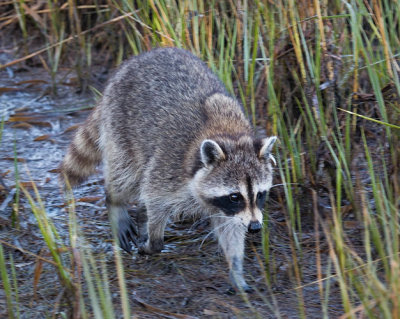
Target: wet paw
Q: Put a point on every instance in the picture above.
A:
(127, 233)
(151, 247)
(246, 289)
(143, 239)
(231, 291)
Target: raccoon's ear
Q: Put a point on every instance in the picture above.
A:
(266, 148)
(211, 152)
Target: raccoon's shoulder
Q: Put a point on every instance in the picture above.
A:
(225, 113)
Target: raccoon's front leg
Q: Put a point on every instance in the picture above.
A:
(141, 221)
(231, 237)
(122, 224)
(157, 220)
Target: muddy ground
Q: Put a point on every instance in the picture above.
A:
(188, 278)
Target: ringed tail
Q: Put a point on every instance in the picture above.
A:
(84, 153)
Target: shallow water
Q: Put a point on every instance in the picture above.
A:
(34, 133)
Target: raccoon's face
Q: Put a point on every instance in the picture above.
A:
(235, 178)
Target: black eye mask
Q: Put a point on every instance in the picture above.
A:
(260, 200)
(229, 204)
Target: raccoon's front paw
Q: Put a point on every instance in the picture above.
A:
(233, 290)
(127, 232)
(247, 289)
(151, 247)
(143, 239)
(238, 283)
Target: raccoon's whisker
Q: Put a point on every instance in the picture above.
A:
(205, 218)
(230, 228)
(219, 215)
(225, 224)
(204, 239)
(227, 230)
(199, 221)
(284, 184)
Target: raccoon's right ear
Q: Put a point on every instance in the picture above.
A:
(264, 148)
(211, 152)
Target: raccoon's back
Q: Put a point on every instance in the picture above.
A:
(157, 97)
(169, 76)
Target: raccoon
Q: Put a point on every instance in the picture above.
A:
(174, 141)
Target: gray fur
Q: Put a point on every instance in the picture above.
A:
(171, 138)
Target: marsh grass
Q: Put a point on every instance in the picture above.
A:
(91, 274)
(321, 75)
(14, 215)
(10, 287)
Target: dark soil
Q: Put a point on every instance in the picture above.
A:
(189, 277)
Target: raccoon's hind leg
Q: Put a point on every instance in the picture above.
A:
(122, 224)
(121, 174)
(231, 237)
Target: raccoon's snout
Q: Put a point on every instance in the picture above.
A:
(254, 227)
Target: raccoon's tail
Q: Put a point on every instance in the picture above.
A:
(84, 153)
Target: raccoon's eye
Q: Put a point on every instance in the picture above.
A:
(235, 198)
(260, 201)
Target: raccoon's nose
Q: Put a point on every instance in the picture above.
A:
(254, 227)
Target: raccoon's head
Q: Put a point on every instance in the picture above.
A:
(235, 177)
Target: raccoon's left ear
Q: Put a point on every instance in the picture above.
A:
(266, 148)
(211, 152)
